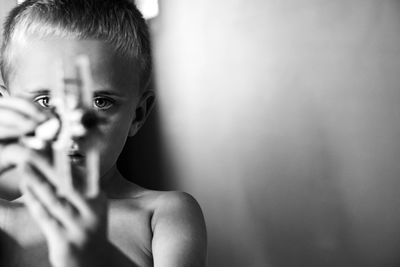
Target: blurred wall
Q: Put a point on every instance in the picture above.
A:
(282, 118)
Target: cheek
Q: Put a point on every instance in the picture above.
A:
(112, 141)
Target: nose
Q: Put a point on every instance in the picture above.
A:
(74, 145)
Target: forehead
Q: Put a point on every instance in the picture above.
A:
(36, 63)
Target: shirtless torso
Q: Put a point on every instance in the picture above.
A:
(130, 226)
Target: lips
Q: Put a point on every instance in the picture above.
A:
(76, 157)
(74, 153)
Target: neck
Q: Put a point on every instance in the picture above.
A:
(111, 175)
(116, 186)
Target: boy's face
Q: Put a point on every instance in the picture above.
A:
(116, 86)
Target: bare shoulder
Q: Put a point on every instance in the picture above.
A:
(173, 206)
(170, 224)
(163, 203)
(177, 202)
(169, 227)
(179, 229)
(164, 207)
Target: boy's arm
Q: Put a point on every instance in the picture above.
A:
(179, 235)
(115, 257)
(179, 232)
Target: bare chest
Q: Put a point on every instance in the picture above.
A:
(24, 245)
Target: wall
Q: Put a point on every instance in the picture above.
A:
(282, 118)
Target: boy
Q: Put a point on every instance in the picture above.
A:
(124, 225)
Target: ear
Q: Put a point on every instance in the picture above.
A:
(143, 110)
(3, 91)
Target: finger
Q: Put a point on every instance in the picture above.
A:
(82, 204)
(23, 107)
(45, 193)
(91, 210)
(50, 226)
(97, 214)
(12, 135)
(60, 211)
(14, 125)
(15, 119)
(76, 201)
(39, 162)
(14, 154)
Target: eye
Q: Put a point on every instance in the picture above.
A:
(43, 101)
(103, 103)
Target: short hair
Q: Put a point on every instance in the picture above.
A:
(116, 22)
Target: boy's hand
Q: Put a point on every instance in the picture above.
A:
(18, 117)
(75, 227)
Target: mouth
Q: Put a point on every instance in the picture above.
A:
(76, 157)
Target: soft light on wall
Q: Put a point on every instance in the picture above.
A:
(282, 118)
(149, 8)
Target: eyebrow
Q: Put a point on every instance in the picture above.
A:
(44, 91)
(107, 93)
(41, 91)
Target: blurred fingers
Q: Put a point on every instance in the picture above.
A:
(45, 193)
(22, 107)
(74, 196)
(18, 117)
(38, 161)
(11, 119)
(50, 226)
(13, 154)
